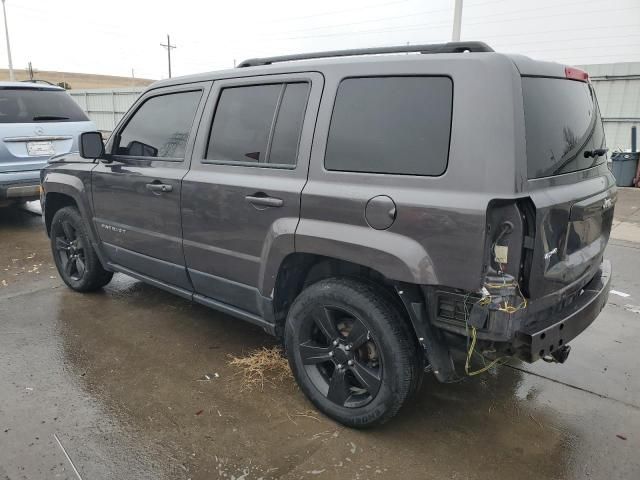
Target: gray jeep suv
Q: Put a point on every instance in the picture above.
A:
(379, 213)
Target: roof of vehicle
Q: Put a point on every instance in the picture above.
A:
(29, 85)
(323, 60)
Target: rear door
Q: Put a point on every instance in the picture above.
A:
(241, 197)
(36, 123)
(571, 186)
(137, 196)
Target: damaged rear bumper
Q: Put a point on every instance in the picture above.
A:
(551, 329)
(545, 325)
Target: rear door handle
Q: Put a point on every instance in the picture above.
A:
(159, 187)
(264, 201)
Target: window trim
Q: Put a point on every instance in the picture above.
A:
(117, 135)
(276, 113)
(357, 172)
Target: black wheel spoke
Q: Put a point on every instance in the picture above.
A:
(69, 231)
(313, 353)
(68, 267)
(367, 376)
(358, 334)
(62, 244)
(324, 318)
(80, 266)
(339, 389)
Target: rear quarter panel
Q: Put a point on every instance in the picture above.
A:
(438, 234)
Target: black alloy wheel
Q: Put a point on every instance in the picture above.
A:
(74, 255)
(352, 351)
(71, 251)
(340, 357)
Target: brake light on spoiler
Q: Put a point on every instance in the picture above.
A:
(576, 74)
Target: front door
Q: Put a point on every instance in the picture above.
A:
(241, 197)
(137, 196)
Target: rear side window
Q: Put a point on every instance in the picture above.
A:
(160, 127)
(397, 125)
(29, 105)
(258, 124)
(562, 122)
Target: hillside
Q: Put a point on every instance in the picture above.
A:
(78, 80)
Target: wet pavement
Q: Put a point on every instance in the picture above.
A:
(118, 377)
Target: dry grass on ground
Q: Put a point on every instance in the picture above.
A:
(262, 366)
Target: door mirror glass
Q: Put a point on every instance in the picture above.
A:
(91, 145)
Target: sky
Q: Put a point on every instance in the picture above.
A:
(115, 36)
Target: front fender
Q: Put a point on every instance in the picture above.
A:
(73, 181)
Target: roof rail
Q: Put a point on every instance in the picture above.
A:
(451, 47)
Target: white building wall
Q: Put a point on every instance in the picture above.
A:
(617, 86)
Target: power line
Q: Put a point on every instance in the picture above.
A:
(355, 9)
(444, 24)
(305, 30)
(570, 39)
(554, 15)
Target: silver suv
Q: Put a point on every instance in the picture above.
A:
(36, 122)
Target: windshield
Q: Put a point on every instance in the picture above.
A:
(562, 123)
(29, 105)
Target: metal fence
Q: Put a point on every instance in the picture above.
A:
(106, 106)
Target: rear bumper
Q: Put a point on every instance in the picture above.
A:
(546, 324)
(20, 185)
(550, 328)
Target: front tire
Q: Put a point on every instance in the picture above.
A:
(74, 256)
(351, 352)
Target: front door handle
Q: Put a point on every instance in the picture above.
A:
(159, 187)
(264, 201)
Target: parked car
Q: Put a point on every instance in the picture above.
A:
(377, 212)
(36, 122)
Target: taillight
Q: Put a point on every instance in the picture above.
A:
(505, 234)
(576, 74)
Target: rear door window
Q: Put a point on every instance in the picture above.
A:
(31, 105)
(258, 124)
(160, 127)
(397, 125)
(562, 121)
(286, 133)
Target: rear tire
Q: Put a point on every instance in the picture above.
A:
(351, 352)
(74, 256)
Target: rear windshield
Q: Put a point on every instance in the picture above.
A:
(28, 105)
(562, 122)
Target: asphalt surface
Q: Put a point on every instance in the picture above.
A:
(113, 385)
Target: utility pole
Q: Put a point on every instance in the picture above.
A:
(168, 46)
(457, 21)
(12, 77)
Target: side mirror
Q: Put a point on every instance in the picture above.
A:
(91, 145)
